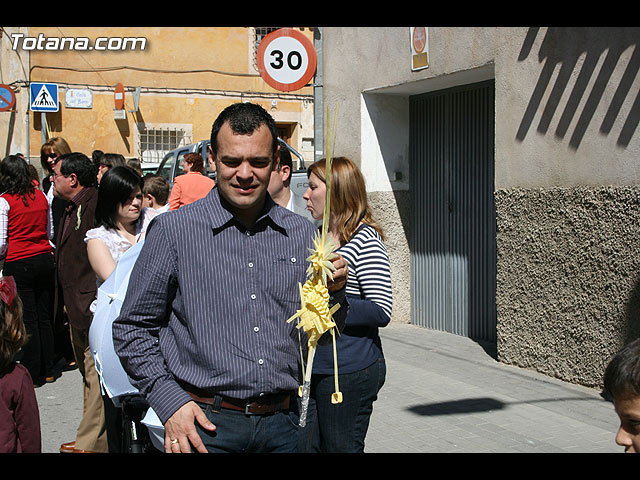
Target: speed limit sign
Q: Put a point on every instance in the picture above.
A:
(286, 59)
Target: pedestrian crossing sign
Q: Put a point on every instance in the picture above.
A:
(44, 97)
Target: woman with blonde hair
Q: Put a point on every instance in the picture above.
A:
(49, 153)
(342, 427)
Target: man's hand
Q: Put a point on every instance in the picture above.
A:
(340, 274)
(180, 431)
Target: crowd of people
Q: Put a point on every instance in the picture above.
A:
(202, 333)
(55, 235)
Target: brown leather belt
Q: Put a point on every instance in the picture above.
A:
(253, 406)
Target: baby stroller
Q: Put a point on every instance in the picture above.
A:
(135, 435)
(138, 420)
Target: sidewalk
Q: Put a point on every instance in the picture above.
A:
(443, 394)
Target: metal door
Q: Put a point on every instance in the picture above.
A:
(453, 246)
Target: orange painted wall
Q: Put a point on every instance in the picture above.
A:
(172, 91)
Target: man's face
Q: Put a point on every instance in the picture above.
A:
(629, 432)
(278, 179)
(244, 164)
(63, 186)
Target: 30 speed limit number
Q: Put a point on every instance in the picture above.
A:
(286, 59)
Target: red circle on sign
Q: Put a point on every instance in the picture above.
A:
(311, 55)
(419, 39)
(11, 101)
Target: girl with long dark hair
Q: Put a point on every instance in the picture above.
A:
(19, 414)
(25, 233)
(121, 222)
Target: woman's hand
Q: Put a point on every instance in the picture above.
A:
(339, 275)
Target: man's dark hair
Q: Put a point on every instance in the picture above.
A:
(244, 119)
(622, 375)
(285, 157)
(79, 164)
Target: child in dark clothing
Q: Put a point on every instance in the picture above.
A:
(19, 415)
(622, 384)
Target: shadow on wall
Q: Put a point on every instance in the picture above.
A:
(632, 315)
(569, 48)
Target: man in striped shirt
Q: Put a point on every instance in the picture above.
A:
(203, 332)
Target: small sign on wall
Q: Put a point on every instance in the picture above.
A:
(78, 98)
(419, 48)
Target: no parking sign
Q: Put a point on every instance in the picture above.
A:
(286, 59)
(7, 98)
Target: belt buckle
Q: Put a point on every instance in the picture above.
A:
(246, 408)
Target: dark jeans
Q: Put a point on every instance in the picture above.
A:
(237, 432)
(34, 278)
(341, 427)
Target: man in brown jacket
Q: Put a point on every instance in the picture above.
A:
(74, 180)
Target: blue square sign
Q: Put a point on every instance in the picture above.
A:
(44, 97)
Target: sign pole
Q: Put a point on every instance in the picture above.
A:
(318, 120)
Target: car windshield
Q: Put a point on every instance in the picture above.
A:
(166, 167)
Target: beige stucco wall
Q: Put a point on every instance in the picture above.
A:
(14, 67)
(187, 75)
(564, 101)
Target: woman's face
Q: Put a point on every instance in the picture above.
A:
(51, 159)
(315, 196)
(102, 169)
(129, 211)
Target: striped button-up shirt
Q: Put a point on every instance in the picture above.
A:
(208, 303)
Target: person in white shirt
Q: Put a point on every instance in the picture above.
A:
(280, 186)
(122, 222)
(155, 193)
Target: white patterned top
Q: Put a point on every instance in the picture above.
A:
(116, 243)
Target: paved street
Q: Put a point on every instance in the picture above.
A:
(443, 394)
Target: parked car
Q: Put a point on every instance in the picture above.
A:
(149, 167)
(171, 165)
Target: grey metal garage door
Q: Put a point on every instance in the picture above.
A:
(453, 259)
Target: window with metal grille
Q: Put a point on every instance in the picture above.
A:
(155, 141)
(258, 34)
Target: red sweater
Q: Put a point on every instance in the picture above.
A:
(19, 414)
(27, 228)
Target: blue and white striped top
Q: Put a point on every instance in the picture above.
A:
(370, 303)
(208, 303)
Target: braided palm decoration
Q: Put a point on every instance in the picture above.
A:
(315, 317)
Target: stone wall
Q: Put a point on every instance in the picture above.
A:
(391, 210)
(568, 285)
